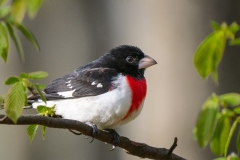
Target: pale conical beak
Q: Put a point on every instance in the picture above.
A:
(146, 62)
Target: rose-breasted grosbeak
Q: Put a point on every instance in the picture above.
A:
(107, 92)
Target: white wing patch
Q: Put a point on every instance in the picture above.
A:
(69, 86)
(99, 85)
(66, 94)
(68, 82)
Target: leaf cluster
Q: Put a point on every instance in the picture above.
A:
(214, 123)
(11, 16)
(209, 53)
(16, 98)
(219, 117)
(43, 111)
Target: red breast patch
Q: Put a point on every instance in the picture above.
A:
(139, 89)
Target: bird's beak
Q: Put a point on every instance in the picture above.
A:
(146, 62)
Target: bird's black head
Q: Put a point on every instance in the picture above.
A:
(129, 60)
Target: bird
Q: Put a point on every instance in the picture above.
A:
(107, 92)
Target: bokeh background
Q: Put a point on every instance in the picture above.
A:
(72, 33)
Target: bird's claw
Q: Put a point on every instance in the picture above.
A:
(116, 138)
(95, 130)
(76, 133)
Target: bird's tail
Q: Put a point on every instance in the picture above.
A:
(35, 100)
(28, 106)
(31, 100)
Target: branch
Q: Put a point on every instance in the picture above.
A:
(131, 147)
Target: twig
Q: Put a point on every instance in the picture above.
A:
(131, 147)
(174, 145)
(31, 89)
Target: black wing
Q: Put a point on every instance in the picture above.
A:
(87, 82)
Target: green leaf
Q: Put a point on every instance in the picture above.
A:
(194, 134)
(228, 113)
(27, 83)
(15, 101)
(31, 131)
(234, 27)
(15, 40)
(221, 158)
(46, 111)
(220, 135)
(23, 75)
(28, 34)
(209, 53)
(215, 26)
(37, 75)
(38, 87)
(4, 11)
(43, 131)
(229, 34)
(206, 121)
(230, 99)
(4, 44)
(18, 10)
(215, 76)
(41, 109)
(51, 111)
(33, 7)
(235, 42)
(231, 30)
(230, 135)
(238, 142)
(1, 101)
(233, 158)
(11, 80)
(236, 110)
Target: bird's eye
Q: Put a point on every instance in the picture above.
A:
(130, 59)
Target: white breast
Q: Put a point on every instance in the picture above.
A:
(105, 110)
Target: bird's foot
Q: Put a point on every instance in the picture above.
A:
(95, 130)
(116, 138)
(76, 133)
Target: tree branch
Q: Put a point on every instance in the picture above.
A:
(131, 147)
